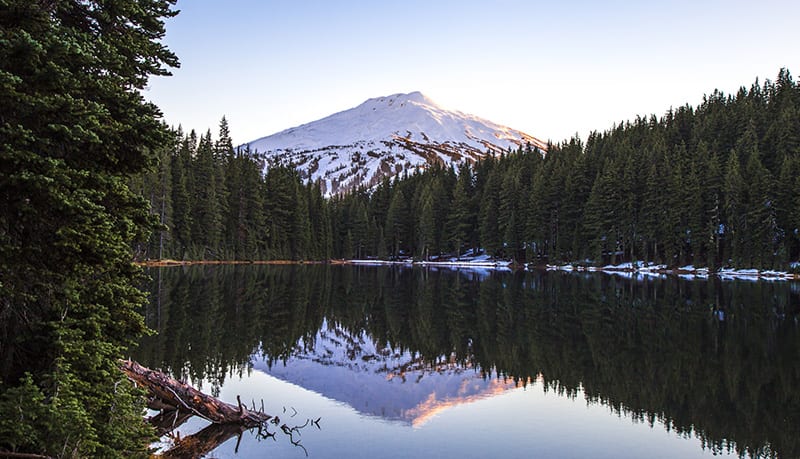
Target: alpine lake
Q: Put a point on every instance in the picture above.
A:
(399, 361)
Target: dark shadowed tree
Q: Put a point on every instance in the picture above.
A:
(74, 128)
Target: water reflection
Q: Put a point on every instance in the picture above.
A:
(380, 381)
(717, 360)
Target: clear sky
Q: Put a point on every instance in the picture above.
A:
(550, 69)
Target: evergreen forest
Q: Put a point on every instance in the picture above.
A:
(717, 185)
(74, 131)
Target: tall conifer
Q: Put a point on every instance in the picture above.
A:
(75, 127)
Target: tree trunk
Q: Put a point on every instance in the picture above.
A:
(169, 392)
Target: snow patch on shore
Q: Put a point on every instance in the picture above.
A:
(629, 269)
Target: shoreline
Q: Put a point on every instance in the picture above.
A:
(167, 263)
(624, 269)
(684, 271)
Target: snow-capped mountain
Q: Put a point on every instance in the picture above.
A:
(379, 381)
(384, 137)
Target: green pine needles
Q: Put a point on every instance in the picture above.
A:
(73, 129)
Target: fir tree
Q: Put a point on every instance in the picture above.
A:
(711, 213)
(320, 221)
(300, 227)
(735, 229)
(510, 220)
(426, 222)
(760, 219)
(788, 205)
(206, 212)
(280, 204)
(602, 214)
(181, 204)
(397, 221)
(75, 127)
(461, 218)
(488, 223)
(577, 187)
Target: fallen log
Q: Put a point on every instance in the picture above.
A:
(169, 392)
(205, 441)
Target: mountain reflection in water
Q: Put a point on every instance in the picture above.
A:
(712, 359)
(392, 384)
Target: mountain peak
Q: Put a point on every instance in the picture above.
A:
(415, 96)
(383, 137)
(400, 100)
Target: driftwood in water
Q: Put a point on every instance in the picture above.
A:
(168, 392)
(205, 441)
(178, 402)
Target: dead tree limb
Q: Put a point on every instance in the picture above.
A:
(205, 441)
(171, 392)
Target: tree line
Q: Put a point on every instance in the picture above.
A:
(215, 202)
(716, 185)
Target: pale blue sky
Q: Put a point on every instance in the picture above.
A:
(550, 69)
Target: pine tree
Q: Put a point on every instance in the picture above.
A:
(319, 216)
(75, 127)
(206, 212)
(685, 205)
(788, 206)
(300, 235)
(245, 226)
(632, 188)
(397, 221)
(181, 203)
(577, 188)
(711, 198)
(536, 226)
(461, 217)
(280, 203)
(510, 220)
(735, 230)
(236, 216)
(488, 223)
(426, 222)
(160, 199)
(602, 214)
(223, 147)
(223, 157)
(760, 218)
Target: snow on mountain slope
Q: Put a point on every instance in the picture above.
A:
(384, 137)
(380, 381)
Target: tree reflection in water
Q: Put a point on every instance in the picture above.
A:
(709, 358)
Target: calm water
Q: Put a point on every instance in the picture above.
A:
(402, 362)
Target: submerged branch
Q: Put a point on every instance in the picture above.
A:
(166, 390)
(205, 441)
(178, 402)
